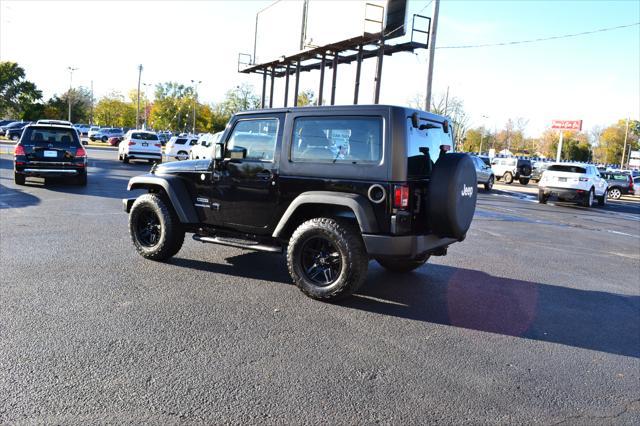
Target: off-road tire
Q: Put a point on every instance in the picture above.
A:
(588, 199)
(171, 230)
(402, 266)
(19, 179)
(354, 259)
(523, 181)
(488, 185)
(542, 199)
(602, 200)
(508, 178)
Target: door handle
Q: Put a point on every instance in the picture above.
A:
(264, 175)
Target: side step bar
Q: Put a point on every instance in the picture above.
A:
(238, 244)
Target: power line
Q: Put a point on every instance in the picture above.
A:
(509, 43)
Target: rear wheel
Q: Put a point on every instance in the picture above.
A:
(508, 178)
(402, 265)
(18, 178)
(523, 181)
(542, 199)
(81, 179)
(182, 155)
(602, 200)
(588, 199)
(103, 139)
(125, 158)
(488, 185)
(327, 259)
(156, 231)
(615, 193)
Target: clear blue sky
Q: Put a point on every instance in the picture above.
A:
(594, 77)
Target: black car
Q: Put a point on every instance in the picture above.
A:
(4, 123)
(14, 132)
(50, 151)
(331, 186)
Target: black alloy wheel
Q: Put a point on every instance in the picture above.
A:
(321, 261)
(148, 230)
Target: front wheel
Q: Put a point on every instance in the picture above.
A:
(327, 259)
(156, 231)
(103, 139)
(523, 181)
(615, 193)
(489, 184)
(402, 265)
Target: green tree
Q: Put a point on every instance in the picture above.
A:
(172, 107)
(242, 98)
(113, 111)
(611, 142)
(17, 94)
(57, 107)
(306, 98)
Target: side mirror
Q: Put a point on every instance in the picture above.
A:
(219, 150)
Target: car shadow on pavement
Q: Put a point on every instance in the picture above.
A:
(252, 265)
(14, 198)
(475, 300)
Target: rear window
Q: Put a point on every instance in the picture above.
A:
(351, 140)
(145, 136)
(424, 148)
(568, 169)
(49, 135)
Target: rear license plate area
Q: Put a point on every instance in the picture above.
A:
(561, 179)
(51, 154)
(145, 144)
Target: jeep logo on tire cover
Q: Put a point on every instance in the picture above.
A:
(467, 191)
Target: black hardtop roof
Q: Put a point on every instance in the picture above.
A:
(346, 108)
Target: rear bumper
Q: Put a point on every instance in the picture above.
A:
(50, 172)
(566, 193)
(144, 155)
(408, 246)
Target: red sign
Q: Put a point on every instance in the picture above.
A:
(567, 125)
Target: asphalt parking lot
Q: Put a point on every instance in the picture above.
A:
(534, 318)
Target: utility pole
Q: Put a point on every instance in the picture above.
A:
(481, 136)
(195, 102)
(624, 148)
(71, 70)
(138, 107)
(559, 152)
(432, 51)
(303, 30)
(146, 99)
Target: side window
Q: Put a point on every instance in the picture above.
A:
(253, 139)
(192, 142)
(350, 140)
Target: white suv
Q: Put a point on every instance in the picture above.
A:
(179, 147)
(578, 182)
(140, 145)
(203, 149)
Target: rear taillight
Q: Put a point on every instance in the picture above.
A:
(584, 179)
(19, 150)
(158, 145)
(630, 184)
(80, 152)
(401, 197)
(131, 143)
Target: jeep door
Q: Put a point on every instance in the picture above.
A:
(249, 173)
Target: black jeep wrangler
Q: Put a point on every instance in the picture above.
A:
(332, 187)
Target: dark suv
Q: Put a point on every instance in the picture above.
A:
(332, 187)
(46, 150)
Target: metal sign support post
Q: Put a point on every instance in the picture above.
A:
(559, 153)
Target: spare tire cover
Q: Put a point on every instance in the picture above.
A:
(452, 195)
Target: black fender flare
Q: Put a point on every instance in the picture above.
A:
(175, 190)
(359, 204)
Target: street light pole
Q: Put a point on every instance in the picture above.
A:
(195, 102)
(138, 107)
(481, 136)
(71, 70)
